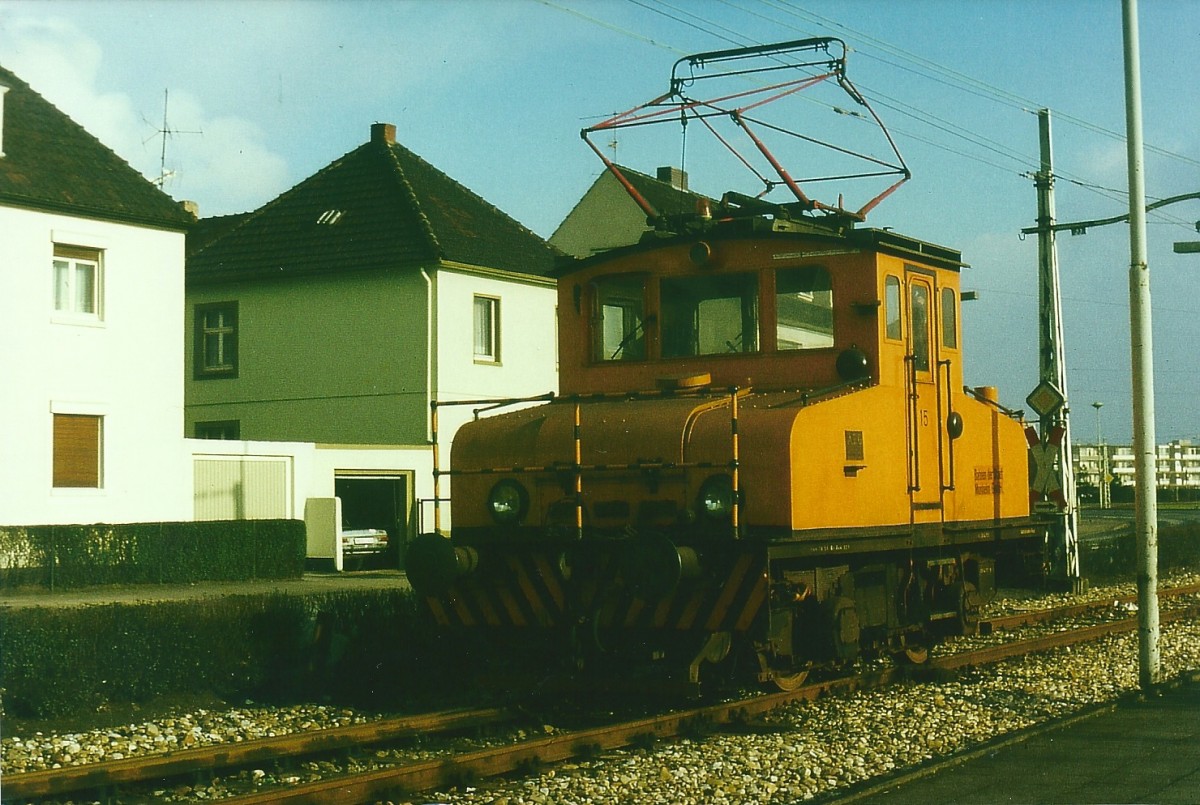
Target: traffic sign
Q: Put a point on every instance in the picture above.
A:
(1045, 399)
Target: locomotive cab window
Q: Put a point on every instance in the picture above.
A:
(710, 315)
(893, 329)
(803, 308)
(949, 318)
(618, 324)
(919, 322)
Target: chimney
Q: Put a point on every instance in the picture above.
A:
(383, 133)
(676, 177)
(3, 90)
(192, 208)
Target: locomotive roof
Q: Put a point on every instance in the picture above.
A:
(837, 232)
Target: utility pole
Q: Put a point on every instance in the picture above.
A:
(1056, 476)
(1142, 355)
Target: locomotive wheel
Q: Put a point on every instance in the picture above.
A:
(913, 648)
(783, 676)
(788, 681)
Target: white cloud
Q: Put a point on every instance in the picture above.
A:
(227, 168)
(61, 63)
(223, 162)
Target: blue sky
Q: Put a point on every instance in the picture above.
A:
(494, 93)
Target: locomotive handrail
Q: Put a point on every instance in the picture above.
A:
(496, 402)
(735, 506)
(813, 395)
(577, 467)
(943, 423)
(433, 438)
(914, 441)
(561, 467)
(1013, 413)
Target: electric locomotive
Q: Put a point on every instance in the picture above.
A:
(762, 448)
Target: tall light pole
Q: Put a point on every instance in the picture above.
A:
(1104, 490)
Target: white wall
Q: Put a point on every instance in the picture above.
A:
(127, 368)
(240, 479)
(528, 363)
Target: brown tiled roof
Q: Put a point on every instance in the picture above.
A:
(207, 230)
(663, 196)
(379, 206)
(51, 163)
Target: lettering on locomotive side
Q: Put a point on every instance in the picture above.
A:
(832, 547)
(989, 480)
(854, 446)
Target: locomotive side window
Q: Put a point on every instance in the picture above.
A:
(919, 305)
(891, 308)
(618, 325)
(709, 315)
(803, 308)
(949, 319)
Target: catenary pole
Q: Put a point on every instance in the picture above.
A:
(1052, 368)
(1142, 355)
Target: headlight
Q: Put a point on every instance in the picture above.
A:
(716, 497)
(508, 502)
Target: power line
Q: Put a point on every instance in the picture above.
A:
(960, 81)
(964, 81)
(926, 68)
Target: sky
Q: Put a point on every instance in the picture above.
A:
(255, 96)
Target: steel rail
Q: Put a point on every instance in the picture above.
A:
(990, 625)
(156, 767)
(1034, 645)
(493, 762)
(449, 772)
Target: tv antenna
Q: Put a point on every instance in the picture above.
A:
(165, 132)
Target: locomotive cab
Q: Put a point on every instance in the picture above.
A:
(774, 314)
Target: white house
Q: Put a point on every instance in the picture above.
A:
(91, 306)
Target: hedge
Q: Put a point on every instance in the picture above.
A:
(61, 661)
(69, 556)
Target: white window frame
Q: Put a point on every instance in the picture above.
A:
(68, 264)
(486, 345)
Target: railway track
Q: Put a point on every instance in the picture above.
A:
(1072, 610)
(105, 776)
(445, 772)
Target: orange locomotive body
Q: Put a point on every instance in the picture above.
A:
(762, 448)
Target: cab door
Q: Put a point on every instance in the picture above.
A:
(922, 393)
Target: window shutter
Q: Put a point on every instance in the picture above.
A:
(77, 253)
(76, 451)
